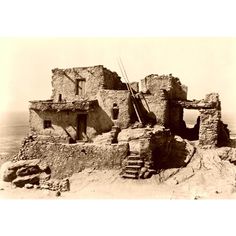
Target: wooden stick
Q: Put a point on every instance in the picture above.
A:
(129, 89)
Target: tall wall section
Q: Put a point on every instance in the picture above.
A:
(92, 80)
(210, 122)
(160, 104)
(107, 98)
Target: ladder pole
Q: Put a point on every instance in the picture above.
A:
(135, 101)
(132, 95)
(126, 76)
(146, 102)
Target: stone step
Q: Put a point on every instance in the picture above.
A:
(134, 152)
(129, 176)
(128, 171)
(135, 162)
(132, 167)
(134, 157)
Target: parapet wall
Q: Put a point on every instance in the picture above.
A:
(67, 159)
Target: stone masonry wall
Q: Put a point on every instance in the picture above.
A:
(112, 80)
(66, 159)
(210, 121)
(96, 78)
(166, 113)
(106, 100)
(158, 104)
(209, 127)
(173, 86)
(63, 82)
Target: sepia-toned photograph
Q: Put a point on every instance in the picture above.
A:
(118, 118)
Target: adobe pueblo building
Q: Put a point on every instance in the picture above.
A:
(95, 120)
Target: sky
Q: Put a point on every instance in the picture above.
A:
(203, 64)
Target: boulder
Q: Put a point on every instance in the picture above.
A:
(5, 173)
(24, 163)
(20, 181)
(11, 170)
(23, 171)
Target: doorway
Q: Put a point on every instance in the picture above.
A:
(81, 127)
(191, 124)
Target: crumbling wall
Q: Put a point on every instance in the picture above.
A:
(210, 120)
(63, 82)
(66, 159)
(173, 86)
(165, 113)
(95, 78)
(112, 80)
(209, 127)
(212, 131)
(106, 100)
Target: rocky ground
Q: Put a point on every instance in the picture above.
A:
(211, 174)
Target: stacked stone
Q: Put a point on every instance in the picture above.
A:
(147, 171)
(210, 122)
(209, 128)
(55, 185)
(25, 146)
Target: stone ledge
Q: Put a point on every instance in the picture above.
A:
(47, 105)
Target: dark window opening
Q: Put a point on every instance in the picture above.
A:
(79, 87)
(76, 87)
(60, 98)
(47, 124)
(115, 111)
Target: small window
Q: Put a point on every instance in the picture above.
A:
(115, 111)
(76, 87)
(59, 98)
(47, 124)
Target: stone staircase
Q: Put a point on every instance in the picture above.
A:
(133, 166)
